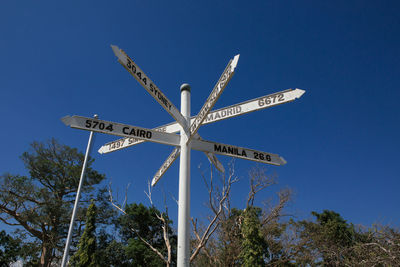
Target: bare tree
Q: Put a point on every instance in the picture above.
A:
(218, 201)
(224, 247)
(376, 246)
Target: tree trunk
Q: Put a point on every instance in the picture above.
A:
(45, 258)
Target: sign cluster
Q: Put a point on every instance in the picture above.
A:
(165, 134)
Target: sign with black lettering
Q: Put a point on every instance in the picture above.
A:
(119, 129)
(131, 141)
(213, 97)
(238, 152)
(259, 103)
(148, 84)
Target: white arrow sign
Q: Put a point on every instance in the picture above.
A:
(127, 142)
(120, 129)
(259, 103)
(164, 167)
(148, 84)
(213, 97)
(238, 152)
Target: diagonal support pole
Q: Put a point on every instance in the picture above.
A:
(71, 225)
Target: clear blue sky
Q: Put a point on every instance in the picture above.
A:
(341, 139)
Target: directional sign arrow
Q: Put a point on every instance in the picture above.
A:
(174, 155)
(127, 142)
(259, 103)
(238, 152)
(164, 167)
(214, 160)
(148, 84)
(213, 97)
(120, 129)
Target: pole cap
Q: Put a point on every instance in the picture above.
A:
(185, 86)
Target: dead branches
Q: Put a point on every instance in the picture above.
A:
(218, 199)
(259, 180)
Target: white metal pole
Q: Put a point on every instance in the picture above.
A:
(71, 225)
(184, 184)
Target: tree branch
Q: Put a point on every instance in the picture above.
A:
(213, 225)
(25, 198)
(23, 223)
(8, 223)
(258, 181)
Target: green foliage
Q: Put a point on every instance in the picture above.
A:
(141, 254)
(254, 247)
(9, 249)
(274, 234)
(13, 249)
(334, 228)
(142, 221)
(86, 254)
(41, 203)
(331, 241)
(326, 241)
(111, 253)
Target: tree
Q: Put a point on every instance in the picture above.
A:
(41, 203)
(218, 203)
(376, 246)
(86, 253)
(254, 247)
(249, 236)
(147, 233)
(111, 253)
(328, 241)
(229, 247)
(335, 228)
(332, 241)
(9, 249)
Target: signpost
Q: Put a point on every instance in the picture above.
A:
(188, 138)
